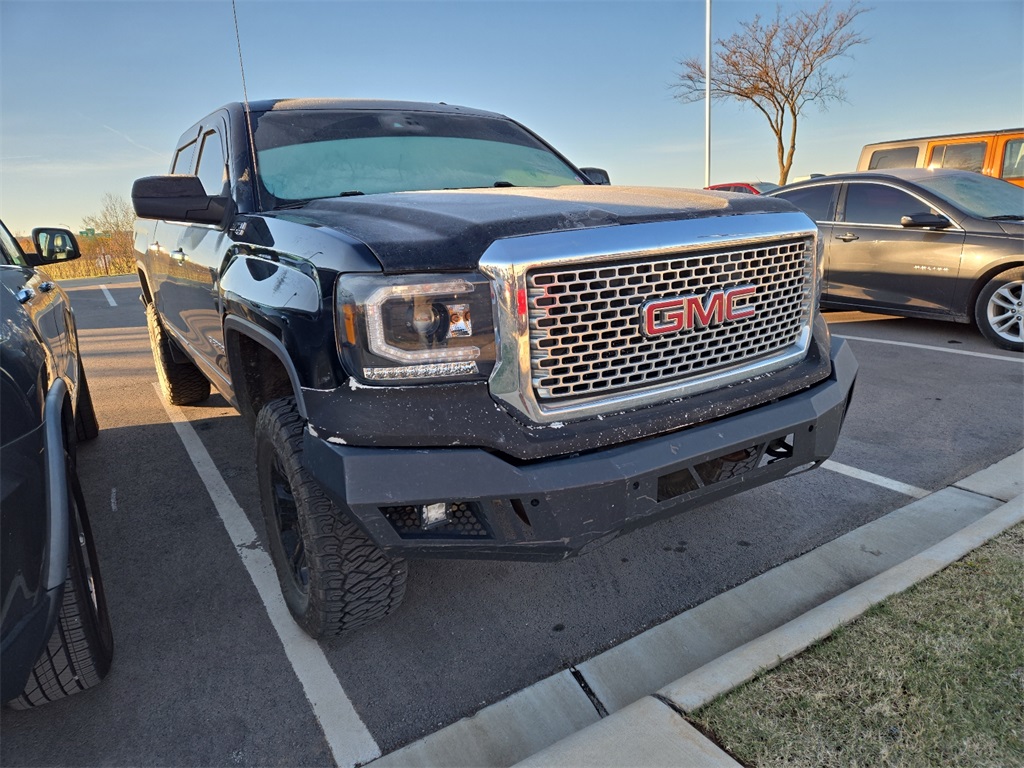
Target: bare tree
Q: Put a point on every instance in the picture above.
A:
(112, 238)
(779, 66)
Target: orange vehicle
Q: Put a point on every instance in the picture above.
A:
(993, 153)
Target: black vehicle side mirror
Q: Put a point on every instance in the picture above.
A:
(925, 221)
(597, 175)
(53, 246)
(179, 197)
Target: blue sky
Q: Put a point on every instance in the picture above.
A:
(94, 93)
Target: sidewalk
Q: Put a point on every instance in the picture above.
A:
(626, 706)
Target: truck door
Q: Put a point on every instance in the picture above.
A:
(189, 299)
(163, 237)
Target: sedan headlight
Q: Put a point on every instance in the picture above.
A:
(416, 328)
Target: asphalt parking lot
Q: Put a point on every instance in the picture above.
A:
(207, 672)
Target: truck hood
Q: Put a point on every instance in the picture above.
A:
(450, 230)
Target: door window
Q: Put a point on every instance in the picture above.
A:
(963, 157)
(212, 171)
(183, 158)
(896, 157)
(1013, 160)
(880, 204)
(815, 201)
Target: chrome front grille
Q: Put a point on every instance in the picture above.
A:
(585, 334)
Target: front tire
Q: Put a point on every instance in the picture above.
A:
(180, 383)
(333, 577)
(999, 311)
(78, 654)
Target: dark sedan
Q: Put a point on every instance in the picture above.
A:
(930, 243)
(55, 636)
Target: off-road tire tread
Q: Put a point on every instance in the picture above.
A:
(352, 582)
(180, 383)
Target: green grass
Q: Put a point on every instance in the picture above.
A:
(931, 677)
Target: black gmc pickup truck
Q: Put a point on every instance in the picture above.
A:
(450, 342)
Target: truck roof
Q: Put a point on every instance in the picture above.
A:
(964, 135)
(277, 105)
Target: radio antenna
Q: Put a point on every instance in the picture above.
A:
(248, 112)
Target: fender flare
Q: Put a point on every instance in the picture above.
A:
(265, 339)
(57, 494)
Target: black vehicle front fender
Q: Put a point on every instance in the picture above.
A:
(56, 488)
(24, 641)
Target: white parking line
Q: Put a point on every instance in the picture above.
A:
(110, 299)
(347, 736)
(1006, 358)
(871, 477)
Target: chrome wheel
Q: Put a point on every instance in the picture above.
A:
(1005, 312)
(999, 310)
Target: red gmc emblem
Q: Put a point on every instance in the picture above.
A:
(661, 316)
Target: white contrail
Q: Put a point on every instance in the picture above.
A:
(132, 141)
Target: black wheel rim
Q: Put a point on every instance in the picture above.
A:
(287, 519)
(86, 561)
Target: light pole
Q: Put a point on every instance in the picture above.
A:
(707, 95)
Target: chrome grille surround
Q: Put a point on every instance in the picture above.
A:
(579, 351)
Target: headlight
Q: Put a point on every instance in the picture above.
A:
(413, 328)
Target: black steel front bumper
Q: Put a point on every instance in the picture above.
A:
(555, 508)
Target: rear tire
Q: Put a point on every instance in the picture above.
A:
(78, 654)
(999, 311)
(333, 577)
(87, 427)
(180, 383)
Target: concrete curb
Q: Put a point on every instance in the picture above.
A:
(681, 645)
(646, 733)
(614, 740)
(739, 666)
(723, 642)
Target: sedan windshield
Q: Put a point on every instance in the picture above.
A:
(310, 154)
(980, 196)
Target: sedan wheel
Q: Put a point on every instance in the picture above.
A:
(999, 312)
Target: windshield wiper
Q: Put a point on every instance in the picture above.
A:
(498, 183)
(308, 200)
(1006, 217)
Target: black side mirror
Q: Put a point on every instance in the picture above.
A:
(925, 221)
(597, 175)
(179, 198)
(53, 246)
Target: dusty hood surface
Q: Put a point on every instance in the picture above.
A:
(411, 231)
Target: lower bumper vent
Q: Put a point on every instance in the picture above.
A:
(463, 522)
(724, 467)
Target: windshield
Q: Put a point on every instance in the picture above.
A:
(980, 196)
(10, 251)
(310, 154)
